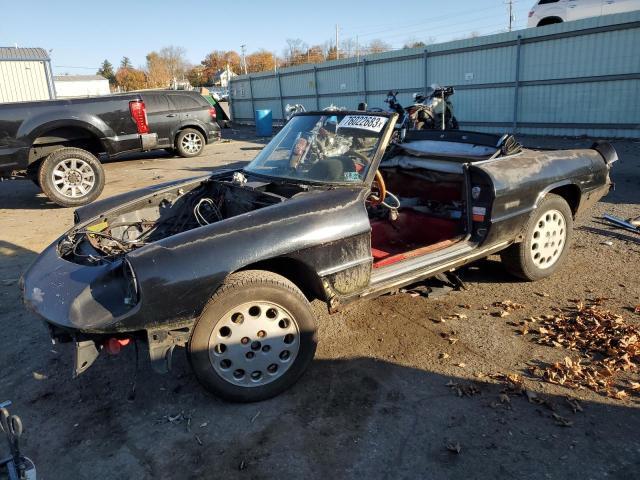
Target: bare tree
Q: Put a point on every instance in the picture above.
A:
(378, 46)
(175, 60)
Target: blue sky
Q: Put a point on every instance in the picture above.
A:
(83, 33)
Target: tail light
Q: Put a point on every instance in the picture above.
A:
(139, 115)
(212, 113)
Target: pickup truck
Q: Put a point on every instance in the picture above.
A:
(58, 143)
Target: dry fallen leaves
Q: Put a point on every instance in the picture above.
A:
(605, 341)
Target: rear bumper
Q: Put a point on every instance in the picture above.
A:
(131, 143)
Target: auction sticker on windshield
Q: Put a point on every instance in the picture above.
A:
(363, 122)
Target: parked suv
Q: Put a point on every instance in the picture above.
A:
(184, 121)
(546, 12)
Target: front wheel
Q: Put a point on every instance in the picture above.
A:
(254, 339)
(546, 241)
(71, 177)
(190, 143)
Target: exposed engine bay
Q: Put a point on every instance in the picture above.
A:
(170, 213)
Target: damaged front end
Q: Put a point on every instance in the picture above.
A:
(86, 287)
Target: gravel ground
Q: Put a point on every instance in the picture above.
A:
(380, 400)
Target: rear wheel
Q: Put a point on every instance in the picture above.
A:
(254, 339)
(71, 177)
(546, 241)
(190, 143)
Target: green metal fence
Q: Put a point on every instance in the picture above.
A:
(574, 78)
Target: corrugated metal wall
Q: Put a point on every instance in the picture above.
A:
(23, 80)
(575, 78)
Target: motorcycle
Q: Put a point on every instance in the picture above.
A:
(434, 112)
(291, 110)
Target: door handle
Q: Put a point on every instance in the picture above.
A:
(172, 115)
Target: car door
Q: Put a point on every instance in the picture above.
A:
(162, 118)
(619, 6)
(188, 107)
(577, 9)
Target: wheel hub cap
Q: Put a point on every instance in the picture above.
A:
(548, 239)
(191, 143)
(254, 344)
(73, 177)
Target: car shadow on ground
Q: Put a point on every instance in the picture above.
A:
(354, 417)
(351, 418)
(618, 234)
(23, 194)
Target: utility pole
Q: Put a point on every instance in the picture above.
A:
(337, 42)
(511, 15)
(243, 49)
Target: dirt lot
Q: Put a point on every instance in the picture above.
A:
(375, 403)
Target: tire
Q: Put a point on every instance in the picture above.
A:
(533, 260)
(226, 354)
(71, 177)
(190, 143)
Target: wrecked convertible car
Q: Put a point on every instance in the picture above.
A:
(336, 207)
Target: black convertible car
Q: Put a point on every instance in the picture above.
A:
(336, 207)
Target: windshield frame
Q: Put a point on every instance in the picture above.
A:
(375, 158)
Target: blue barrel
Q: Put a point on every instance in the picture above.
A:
(264, 123)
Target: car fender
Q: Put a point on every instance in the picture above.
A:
(329, 232)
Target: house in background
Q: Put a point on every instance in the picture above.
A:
(70, 86)
(222, 77)
(25, 75)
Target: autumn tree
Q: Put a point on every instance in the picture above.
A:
(217, 60)
(130, 79)
(260, 61)
(315, 54)
(158, 74)
(196, 76)
(106, 70)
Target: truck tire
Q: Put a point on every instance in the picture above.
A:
(190, 143)
(71, 177)
(255, 337)
(546, 240)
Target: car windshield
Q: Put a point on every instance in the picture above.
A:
(332, 147)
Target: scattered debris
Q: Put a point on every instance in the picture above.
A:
(622, 223)
(507, 307)
(450, 336)
(198, 440)
(454, 447)
(463, 389)
(461, 365)
(542, 294)
(253, 419)
(242, 466)
(443, 355)
(608, 243)
(561, 421)
(39, 376)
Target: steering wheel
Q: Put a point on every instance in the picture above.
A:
(378, 190)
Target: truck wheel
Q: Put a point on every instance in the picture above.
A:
(190, 143)
(546, 240)
(254, 338)
(71, 177)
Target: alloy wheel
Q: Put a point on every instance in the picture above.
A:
(73, 177)
(254, 344)
(548, 239)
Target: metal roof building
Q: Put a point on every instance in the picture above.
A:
(25, 75)
(69, 86)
